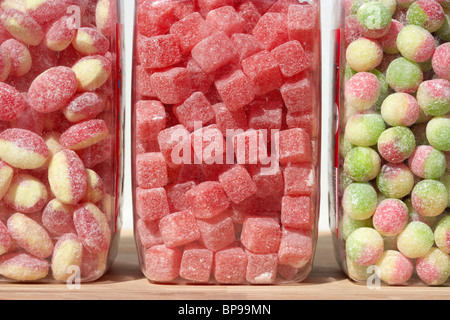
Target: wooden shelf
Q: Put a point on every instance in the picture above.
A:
(125, 281)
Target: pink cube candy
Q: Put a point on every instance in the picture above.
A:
(176, 194)
(206, 6)
(301, 22)
(200, 80)
(155, 17)
(299, 95)
(190, 31)
(229, 120)
(261, 234)
(237, 184)
(297, 212)
(214, 52)
(268, 179)
(196, 108)
(266, 112)
(151, 204)
(207, 199)
(230, 266)
(304, 121)
(172, 142)
(225, 19)
(171, 86)
(208, 145)
(217, 232)
(248, 11)
(250, 147)
(148, 233)
(143, 82)
(299, 179)
(271, 30)
(196, 263)
(261, 268)
(162, 264)
(293, 145)
(159, 51)
(235, 89)
(178, 229)
(295, 248)
(150, 119)
(246, 45)
(263, 70)
(291, 58)
(151, 170)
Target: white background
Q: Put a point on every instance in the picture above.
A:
(328, 14)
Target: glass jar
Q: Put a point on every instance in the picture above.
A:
(61, 143)
(390, 193)
(226, 140)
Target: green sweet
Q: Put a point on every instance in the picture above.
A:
(364, 129)
(438, 133)
(429, 197)
(415, 240)
(445, 179)
(348, 225)
(404, 75)
(441, 233)
(396, 144)
(360, 201)
(362, 164)
(395, 180)
(416, 15)
(374, 16)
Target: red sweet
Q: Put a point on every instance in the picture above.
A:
(190, 31)
(159, 51)
(171, 86)
(230, 266)
(271, 30)
(225, 19)
(217, 232)
(84, 106)
(150, 119)
(20, 56)
(261, 268)
(151, 204)
(162, 264)
(261, 234)
(235, 89)
(84, 134)
(294, 145)
(207, 199)
(12, 103)
(291, 58)
(196, 263)
(297, 212)
(237, 184)
(57, 218)
(295, 248)
(194, 109)
(151, 170)
(178, 229)
(60, 34)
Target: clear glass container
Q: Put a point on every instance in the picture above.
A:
(61, 139)
(226, 140)
(390, 188)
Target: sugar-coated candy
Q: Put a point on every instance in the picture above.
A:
(159, 51)
(23, 149)
(427, 14)
(429, 197)
(23, 267)
(235, 89)
(151, 204)
(362, 91)
(261, 268)
(364, 54)
(291, 58)
(428, 163)
(434, 97)
(225, 19)
(6, 175)
(438, 133)
(359, 201)
(172, 86)
(400, 109)
(365, 246)
(396, 144)
(296, 212)
(416, 43)
(298, 95)
(162, 263)
(434, 267)
(196, 263)
(178, 229)
(26, 194)
(68, 252)
(415, 240)
(12, 103)
(30, 236)
(261, 234)
(84, 134)
(293, 145)
(389, 41)
(271, 30)
(60, 34)
(92, 228)
(207, 199)
(90, 41)
(394, 268)
(404, 75)
(151, 170)
(230, 265)
(395, 180)
(195, 108)
(295, 248)
(190, 31)
(442, 234)
(84, 106)
(237, 184)
(20, 56)
(217, 232)
(364, 129)
(67, 177)
(362, 164)
(440, 59)
(5, 239)
(390, 217)
(57, 218)
(92, 72)
(375, 19)
(22, 26)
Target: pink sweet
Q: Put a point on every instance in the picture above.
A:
(206, 6)
(150, 119)
(229, 120)
(296, 248)
(208, 145)
(246, 45)
(391, 217)
(84, 106)
(261, 268)
(196, 263)
(22, 26)
(151, 170)
(207, 199)
(178, 229)
(261, 234)
(190, 31)
(171, 86)
(362, 91)
(297, 212)
(217, 232)
(48, 10)
(200, 80)
(60, 34)
(440, 61)
(20, 56)
(176, 195)
(225, 19)
(250, 147)
(249, 12)
(194, 109)
(299, 94)
(237, 184)
(235, 89)
(170, 140)
(5, 64)
(230, 266)
(294, 145)
(162, 264)
(268, 180)
(155, 18)
(12, 103)
(299, 179)
(57, 218)
(90, 41)
(84, 134)
(143, 81)
(159, 51)
(148, 233)
(271, 30)
(151, 204)
(291, 58)
(389, 41)
(301, 22)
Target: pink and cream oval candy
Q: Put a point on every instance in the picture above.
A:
(12, 103)
(44, 11)
(30, 235)
(60, 34)
(84, 106)
(26, 194)
(21, 60)
(92, 228)
(23, 149)
(57, 218)
(84, 134)
(68, 252)
(5, 239)
(95, 187)
(53, 89)
(5, 64)
(6, 175)
(105, 16)
(67, 177)
(22, 27)
(92, 72)
(90, 41)
(23, 267)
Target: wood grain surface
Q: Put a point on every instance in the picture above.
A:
(125, 281)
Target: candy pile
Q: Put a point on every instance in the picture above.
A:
(227, 107)
(57, 126)
(395, 141)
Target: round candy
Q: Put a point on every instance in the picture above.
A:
(364, 246)
(428, 163)
(52, 90)
(359, 201)
(444, 32)
(396, 144)
(438, 133)
(415, 240)
(364, 129)
(389, 41)
(394, 268)
(442, 234)
(375, 19)
(362, 164)
(404, 75)
(23, 149)
(364, 54)
(362, 91)
(390, 217)
(445, 179)
(395, 180)
(347, 225)
(415, 43)
(440, 61)
(434, 97)
(12, 103)
(429, 198)
(400, 109)
(434, 267)
(427, 14)
(26, 194)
